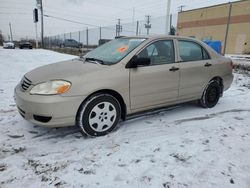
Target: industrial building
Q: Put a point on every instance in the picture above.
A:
(228, 23)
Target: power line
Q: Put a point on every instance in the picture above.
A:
(68, 20)
(82, 16)
(9, 13)
(82, 23)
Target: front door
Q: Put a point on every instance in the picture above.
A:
(156, 84)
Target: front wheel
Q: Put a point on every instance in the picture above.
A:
(99, 115)
(211, 94)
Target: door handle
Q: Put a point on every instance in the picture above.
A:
(173, 69)
(208, 65)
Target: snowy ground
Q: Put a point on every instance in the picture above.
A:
(182, 147)
(241, 62)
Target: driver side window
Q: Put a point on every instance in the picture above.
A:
(160, 52)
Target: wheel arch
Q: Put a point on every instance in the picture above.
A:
(115, 94)
(220, 81)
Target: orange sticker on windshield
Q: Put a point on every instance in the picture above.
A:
(122, 49)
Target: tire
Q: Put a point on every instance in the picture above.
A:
(99, 115)
(211, 94)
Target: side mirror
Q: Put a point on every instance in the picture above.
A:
(138, 61)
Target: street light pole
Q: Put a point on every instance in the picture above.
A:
(11, 36)
(40, 6)
(168, 16)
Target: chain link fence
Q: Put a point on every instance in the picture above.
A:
(85, 40)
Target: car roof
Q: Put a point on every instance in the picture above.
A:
(156, 37)
(153, 37)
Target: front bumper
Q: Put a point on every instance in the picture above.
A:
(47, 111)
(9, 47)
(25, 46)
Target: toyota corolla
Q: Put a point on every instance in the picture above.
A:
(122, 77)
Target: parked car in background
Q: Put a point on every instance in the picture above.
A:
(120, 78)
(70, 43)
(8, 45)
(25, 44)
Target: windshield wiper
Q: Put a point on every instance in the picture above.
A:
(99, 61)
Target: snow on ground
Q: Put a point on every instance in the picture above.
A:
(241, 62)
(185, 146)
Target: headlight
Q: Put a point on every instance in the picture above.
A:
(51, 88)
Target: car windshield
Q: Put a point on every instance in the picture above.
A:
(114, 51)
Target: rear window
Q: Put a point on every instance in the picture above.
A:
(191, 51)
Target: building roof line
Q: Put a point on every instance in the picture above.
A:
(212, 6)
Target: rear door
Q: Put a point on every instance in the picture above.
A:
(158, 83)
(195, 69)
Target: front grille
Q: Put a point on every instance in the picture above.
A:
(25, 84)
(21, 112)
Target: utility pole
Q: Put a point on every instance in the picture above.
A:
(181, 8)
(227, 29)
(79, 36)
(170, 23)
(100, 33)
(36, 35)
(133, 19)
(137, 27)
(147, 24)
(167, 16)
(118, 28)
(87, 37)
(35, 19)
(40, 6)
(11, 36)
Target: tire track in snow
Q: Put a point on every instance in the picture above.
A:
(209, 116)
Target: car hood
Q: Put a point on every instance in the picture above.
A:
(62, 70)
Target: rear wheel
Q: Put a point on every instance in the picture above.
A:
(99, 115)
(211, 94)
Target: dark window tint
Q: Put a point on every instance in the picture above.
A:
(191, 51)
(160, 52)
(205, 54)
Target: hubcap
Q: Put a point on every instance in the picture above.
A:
(102, 116)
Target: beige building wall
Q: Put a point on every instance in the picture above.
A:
(211, 23)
